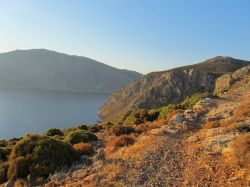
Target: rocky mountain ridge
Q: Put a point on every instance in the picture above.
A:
(161, 88)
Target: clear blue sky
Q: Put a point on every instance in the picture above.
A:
(142, 35)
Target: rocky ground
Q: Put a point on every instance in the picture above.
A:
(179, 152)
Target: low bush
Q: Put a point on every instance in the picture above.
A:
(54, 132)
(84, 148)
(122, 129)
(3, 172)
(139, 116)
(75, 137)
(3, 143)
(66, 131)
(212, 124)
(19, 168)
(241, 150)
(122, 141)
(163, 111)
(95, 128)
(4, 152)
(39, 156)
(83, 127)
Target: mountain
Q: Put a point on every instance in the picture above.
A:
(172, 86)
(44, 69)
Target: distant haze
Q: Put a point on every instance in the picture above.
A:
(44, 69)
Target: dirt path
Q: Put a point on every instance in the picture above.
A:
(163, 167)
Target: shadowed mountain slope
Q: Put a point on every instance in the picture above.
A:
(44, 69)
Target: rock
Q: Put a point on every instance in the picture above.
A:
(157, 131)
(176, 119)
(224, 82)
(9, 184)
(79, 174)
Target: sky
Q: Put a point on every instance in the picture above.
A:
(140, 35)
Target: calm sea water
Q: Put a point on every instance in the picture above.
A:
(29, 110)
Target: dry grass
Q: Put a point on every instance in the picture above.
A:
(241, 150)
(121, 141)
(84, 148)
(139, 149)
(243, 110)
(119, 130)
(230, 121)
(212, 124)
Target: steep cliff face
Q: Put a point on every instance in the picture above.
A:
(172, 86)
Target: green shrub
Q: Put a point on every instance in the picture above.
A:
(19, 168)
(54, 132)
(189, 102)
(4, 152)
(3, 143)
(75, 137)
(72, 129)
(3, 172)
(39, 156)
(139, 116)
(165, 110)
(122, 129)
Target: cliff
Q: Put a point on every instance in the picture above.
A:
(161, 88)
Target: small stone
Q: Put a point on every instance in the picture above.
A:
(91, 177)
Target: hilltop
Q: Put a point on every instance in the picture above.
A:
(168, 87)
(45, 69)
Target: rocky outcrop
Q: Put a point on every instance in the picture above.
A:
(161, 88)
(224, 82)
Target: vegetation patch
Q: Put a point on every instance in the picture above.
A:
(4, 153)
(122, 141)
(39, 156)
(78, 136)
(54, 132)
(3, 172)
(84, 148)
(119, 130)
(139, 116)
(189, 102)
(95, 128)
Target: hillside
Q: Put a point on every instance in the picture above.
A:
(44, 69)
(206, 142)
(161, 88)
